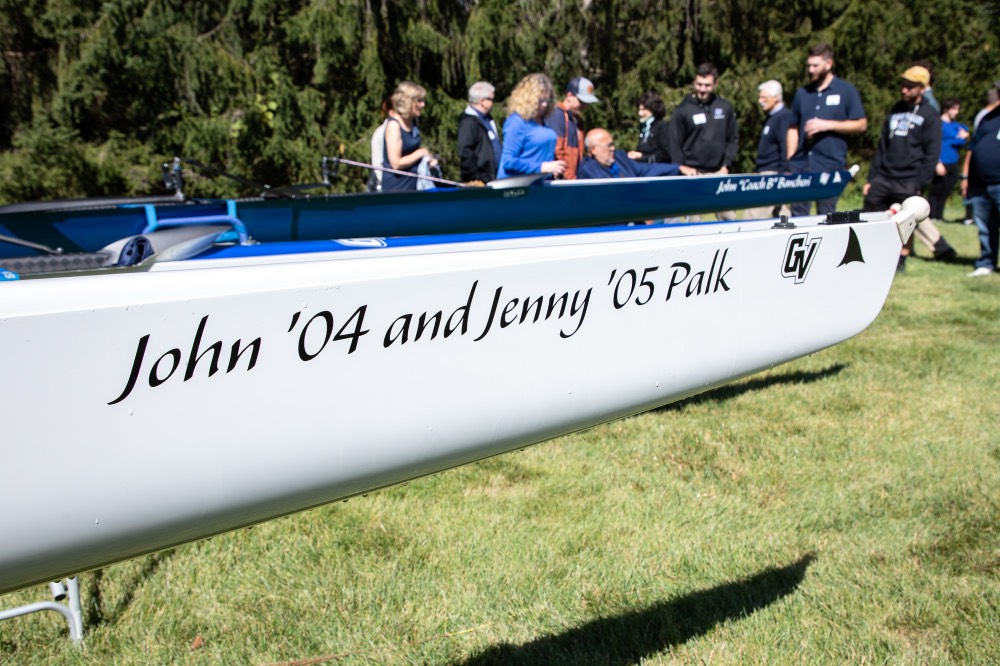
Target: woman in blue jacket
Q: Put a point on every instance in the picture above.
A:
(528, 145)
(953, 137)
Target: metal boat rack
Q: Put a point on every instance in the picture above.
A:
(67, 590)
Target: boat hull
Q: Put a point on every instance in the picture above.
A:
(155, 408)
(443, 211)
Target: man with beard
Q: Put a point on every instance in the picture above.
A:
(906, 155)
(824, 113)
(703, 132)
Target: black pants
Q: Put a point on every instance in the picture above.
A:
(883, 193)
(823, 206)
(941, 188)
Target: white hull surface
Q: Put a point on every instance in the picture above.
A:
(149, 409)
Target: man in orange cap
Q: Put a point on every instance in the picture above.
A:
(905, 157)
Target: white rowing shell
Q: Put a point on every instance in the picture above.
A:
(124, 434)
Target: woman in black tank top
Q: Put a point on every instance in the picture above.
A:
(402, 138)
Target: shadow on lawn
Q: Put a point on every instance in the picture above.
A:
(730, 391)
(96, 612)
(632, 636)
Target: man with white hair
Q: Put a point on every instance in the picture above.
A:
(772, 148)
(479, 144)
(605, 161)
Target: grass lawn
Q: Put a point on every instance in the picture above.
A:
(844, 508)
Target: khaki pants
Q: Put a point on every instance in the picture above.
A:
(722, 214)
(928, 234)
(767, 212)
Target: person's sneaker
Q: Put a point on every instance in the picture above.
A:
(967, 221)
(943, 251)
(982, 271)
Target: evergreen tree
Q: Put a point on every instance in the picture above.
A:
(94, 96)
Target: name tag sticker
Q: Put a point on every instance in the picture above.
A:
(699, 118)
(767, 129)
(833, 100)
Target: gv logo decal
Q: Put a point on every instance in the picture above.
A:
(799, 255)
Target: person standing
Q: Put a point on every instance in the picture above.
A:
(929, 97)
(906, 155)
(565, 121)
(772, 150)
(653, 145)
(981, 184)
(529, 146)
(703, 132)
(402, 138)
(953, 136)
(824, 113)
(992, 101)
(479, 145)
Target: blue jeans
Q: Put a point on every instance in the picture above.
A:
(986, 213)
(823, 206)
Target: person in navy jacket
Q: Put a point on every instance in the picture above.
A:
(605, 161)
(772, 147)
(981, 183)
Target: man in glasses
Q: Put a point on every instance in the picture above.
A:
(606, 161)
(479, 144)
(906, 155)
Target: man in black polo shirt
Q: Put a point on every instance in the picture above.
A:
(907, 152)
(824, 113)
(703, 132)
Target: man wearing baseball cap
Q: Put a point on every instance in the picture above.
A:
(906, 155)
(565, 120)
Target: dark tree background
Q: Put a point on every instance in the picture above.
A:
(95, 95)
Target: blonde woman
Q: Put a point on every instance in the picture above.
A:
(402, 137)
(528, 145)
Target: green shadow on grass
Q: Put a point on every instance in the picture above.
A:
(730, 391)
(632, 636)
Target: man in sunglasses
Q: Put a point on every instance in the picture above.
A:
(906, 155)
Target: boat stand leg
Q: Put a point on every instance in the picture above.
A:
(68, 589)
